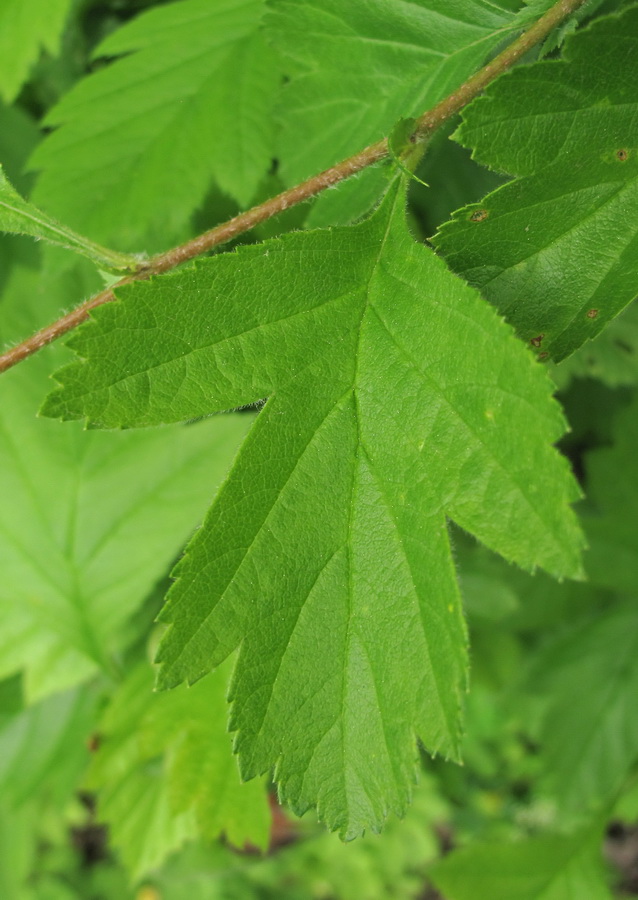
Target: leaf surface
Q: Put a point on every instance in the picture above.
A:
(396, 399)
(141, 140)
(356, 68)
(26, 28)
(556, 249)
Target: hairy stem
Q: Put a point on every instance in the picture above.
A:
(424, 127)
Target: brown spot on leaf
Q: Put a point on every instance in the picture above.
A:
(544, 355)
(592, 313)
(93, 742)
(622, 155)
(479, 215)
(537, 341)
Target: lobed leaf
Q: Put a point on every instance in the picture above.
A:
(396, 399)
(556, 249)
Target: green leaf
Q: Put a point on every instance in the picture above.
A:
(19, 134)
(26, 28)
(141, 139)
(556, 250)
(547, 868)
(191, 725)
(610, 518)
(89, 521)
(169, 757)
(357, 67)
(43, 748)
(612, 357)
(132, 791)
(589, 733)
(326, 555)
(17, 216)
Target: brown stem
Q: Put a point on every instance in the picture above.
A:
(425, 126)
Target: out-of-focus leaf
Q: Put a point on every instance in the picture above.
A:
(548, 868)
(26, 28)
(165, 771)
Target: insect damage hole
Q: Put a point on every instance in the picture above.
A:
(622, 155)
(537, 341)
(479, 215)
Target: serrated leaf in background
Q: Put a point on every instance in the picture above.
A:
(89, 521)
(556, 250)
(140, 141)
(327, 554)
(26, 28)
(165, 771)
(611, 516)
(589, 733)
(547, 868)
(356, 68)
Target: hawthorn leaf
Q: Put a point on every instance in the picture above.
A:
(173, 750)
(195, 86)
(556, 250)
(589, 730)
(548, 868)
(356, 68)
(26, 28)
(18, 216)
(396, 399)
(89, 520)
